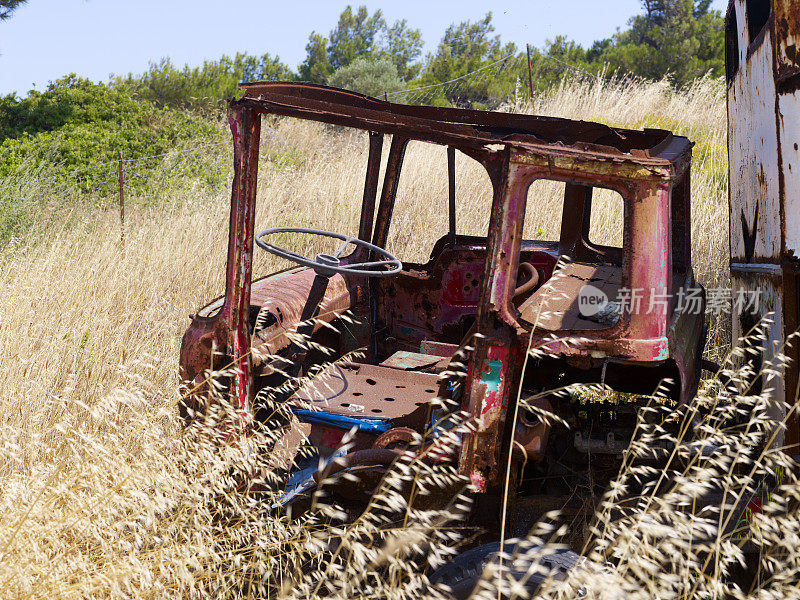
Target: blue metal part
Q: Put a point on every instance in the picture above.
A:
(364, 424)
(442, 419)
(302, 480)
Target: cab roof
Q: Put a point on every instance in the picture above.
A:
(460, 127)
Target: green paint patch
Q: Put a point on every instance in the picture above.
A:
(491, 376)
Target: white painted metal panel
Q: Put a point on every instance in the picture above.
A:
(753, 152)
(764, 180)
(770, 306)
(789, 121)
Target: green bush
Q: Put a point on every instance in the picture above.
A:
(368, 76)
(76, 125)
(205, 88)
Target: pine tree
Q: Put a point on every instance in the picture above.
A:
(9, 6)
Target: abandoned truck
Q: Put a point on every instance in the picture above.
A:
(480, 301)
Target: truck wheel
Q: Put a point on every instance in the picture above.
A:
(462, 574)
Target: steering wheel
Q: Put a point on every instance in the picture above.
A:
(328, 264)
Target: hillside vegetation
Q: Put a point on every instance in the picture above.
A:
(75, 124)
(678, 40)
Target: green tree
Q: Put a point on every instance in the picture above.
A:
(204, 87)
(263, 68)
(358, 35)
(465, 48)
(403, 46)
(316, 67)
(9, 6)
(597, 49)
(560, 55)
(679, 38)
(355, 36)
(565, 49)
(369, 76)
(75, 124)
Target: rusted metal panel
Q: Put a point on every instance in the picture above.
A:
(227, 331)
(554, 306)
(373, 391)
(579, 164)
(391, 180)
(491, 379)
(532, 430)
(442, 349)
(429, 302)
(409, 361)
(281, 299)
(786, 14)
(646, 268)
(496, 361)
(319, 102)
(649, 262)
(371, 186)
(463, 128)
(246, 128)
(791, 311)
(767, 304)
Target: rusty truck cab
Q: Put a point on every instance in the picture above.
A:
(488, 300)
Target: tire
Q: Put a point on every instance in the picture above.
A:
(463, 573)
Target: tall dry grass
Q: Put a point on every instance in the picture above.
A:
(103, 495)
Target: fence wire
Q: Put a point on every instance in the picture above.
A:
(478, 86)
(488, 86)
(104, 176)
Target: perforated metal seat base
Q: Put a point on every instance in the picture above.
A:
(374, 391)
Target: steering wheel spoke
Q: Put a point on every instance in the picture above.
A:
(329, 264)
(374, 263)
(344, 245)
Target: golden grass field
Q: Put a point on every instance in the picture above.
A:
(101, 494)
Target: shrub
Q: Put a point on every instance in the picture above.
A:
(76, 125)
(203, 88)
(370, 77)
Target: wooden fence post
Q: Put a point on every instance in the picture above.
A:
(121, 198)
(530, 72)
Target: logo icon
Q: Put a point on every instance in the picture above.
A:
(591, 300)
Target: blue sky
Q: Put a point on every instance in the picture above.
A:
(46, 39)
